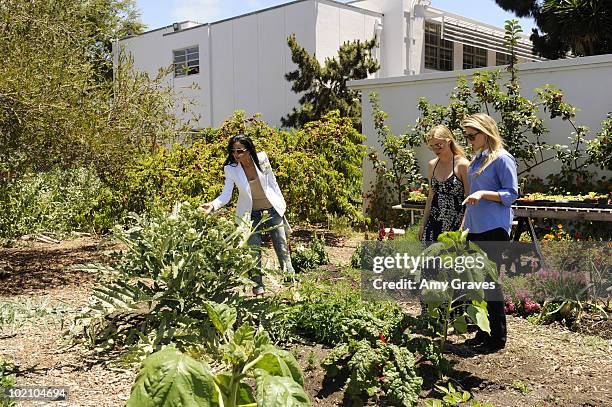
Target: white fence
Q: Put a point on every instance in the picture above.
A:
(586, 84)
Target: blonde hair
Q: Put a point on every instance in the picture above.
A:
(443, 133)
(493, 141)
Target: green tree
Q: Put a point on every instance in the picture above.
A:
(582, 27)
(324, 87)
(106, 20)
(57, 108)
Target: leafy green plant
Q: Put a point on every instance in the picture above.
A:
(311, 361)
(17, 312)
(173, 263)
(450, 246)
(454, 397)
(521, 386)
(311, 256)
(380, 371)
(168, 377)
(7, 380)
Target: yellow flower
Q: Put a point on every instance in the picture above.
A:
(548, 236)
(560, 226)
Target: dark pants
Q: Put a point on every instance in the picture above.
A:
(495, 302)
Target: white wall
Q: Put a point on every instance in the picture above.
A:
(251, 57)
(242, 64)
(153, 51)
(336, 25)
(585, 82)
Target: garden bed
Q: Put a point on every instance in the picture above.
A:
(541, 365)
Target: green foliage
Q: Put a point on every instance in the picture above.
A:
(450, 246)
(402, 171)
(156, 290)
(336, 314)
(311, 256)
(332, 313)
(455, 397)
(58, 201)
(7, 380)
(318, 168)
(377, 371)
(521, 386)
(323, 88)
(169, 378)
(579, 27)
(58, 105)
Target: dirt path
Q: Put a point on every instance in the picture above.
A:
(541, 366)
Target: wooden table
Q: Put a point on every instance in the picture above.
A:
(524, 215)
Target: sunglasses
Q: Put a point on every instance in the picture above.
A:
(471, 136)
(436, 146)
(239, 150)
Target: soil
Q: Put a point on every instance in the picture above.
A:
(540, 366)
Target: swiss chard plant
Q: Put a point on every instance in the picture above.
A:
(171, 378)
(382, 371)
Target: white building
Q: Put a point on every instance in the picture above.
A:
(240, 62)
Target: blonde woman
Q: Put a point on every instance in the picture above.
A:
(448, 181)
(493, 189)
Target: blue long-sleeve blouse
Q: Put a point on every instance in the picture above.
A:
(499, 176)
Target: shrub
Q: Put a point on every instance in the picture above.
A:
(335, 314)
(57, 201)
(311, 256)
(156, 290)
(318, 168)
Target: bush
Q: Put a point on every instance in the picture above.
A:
(174, 263)
(311, 256)
(58, 201)
(335, 314)
(318, 168)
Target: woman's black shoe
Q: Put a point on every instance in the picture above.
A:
(478, 340)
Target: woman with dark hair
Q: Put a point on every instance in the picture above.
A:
(260, 201)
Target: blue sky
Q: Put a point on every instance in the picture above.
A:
(159, 13)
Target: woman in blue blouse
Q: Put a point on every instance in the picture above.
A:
(493, 188)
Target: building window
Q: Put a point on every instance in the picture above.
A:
(186, 61)
(438, 52)
(502, 59)
(474, 57)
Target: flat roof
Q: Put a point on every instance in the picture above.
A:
(330, 2)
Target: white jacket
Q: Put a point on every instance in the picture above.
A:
(236, 175)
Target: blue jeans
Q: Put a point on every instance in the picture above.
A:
(274, 224)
